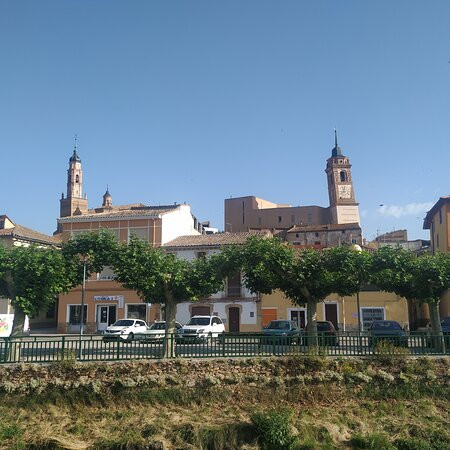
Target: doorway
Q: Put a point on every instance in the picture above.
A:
(234, 318)
(106, 315)
(331, 313)
(299, 317)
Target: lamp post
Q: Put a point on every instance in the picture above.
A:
(358, 249)
(83, 288)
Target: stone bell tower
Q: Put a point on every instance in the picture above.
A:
(74, 203)
(343, 206)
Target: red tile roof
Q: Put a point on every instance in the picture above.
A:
(214, 240)
(27, 234)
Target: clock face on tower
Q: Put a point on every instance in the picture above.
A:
(345, 191)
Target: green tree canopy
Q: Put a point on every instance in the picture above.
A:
(160, 277)
(424, 278)
(96, 248)
(307, 276)
(32, 277)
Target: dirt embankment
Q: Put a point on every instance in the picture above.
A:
(307, 402)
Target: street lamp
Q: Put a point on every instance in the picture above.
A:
(83, 288)
(358, 249)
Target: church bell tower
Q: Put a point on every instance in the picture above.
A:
(74, 203)
(343, 206)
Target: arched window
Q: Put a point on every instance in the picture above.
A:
(343, 175)
(77, 178)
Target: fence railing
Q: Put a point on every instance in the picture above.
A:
(45, 349)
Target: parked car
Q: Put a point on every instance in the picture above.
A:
(387, 331)
(283, 332)
(328, 334)
(156, 331)
(125, 329)
(201, 328)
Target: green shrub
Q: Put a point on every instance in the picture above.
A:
(411, 444)
(373, 441)
(226, 437)
(388, 354)
(274, 429)
(9, 432)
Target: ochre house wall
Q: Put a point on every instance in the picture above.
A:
(442, 230)
(395, 307)
(99, 288)
(153, 226)
(444, 308)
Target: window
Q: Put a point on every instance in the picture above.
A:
(77, 178)
(2, 224)
(106, 274)
(201, 255)
(316, 242)
(140, 233)
(279, 219)
(440, 216)
(137, 311)
(317, 234)
(368, 315)
(234, 285)
(75, 314)
(309, 217)
(343, 175)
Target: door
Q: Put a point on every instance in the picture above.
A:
(268, 314)
(331, 313)
(200, 311)
(106, 315)
(299, 317)
(234, 316)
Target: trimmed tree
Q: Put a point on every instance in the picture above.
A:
(424, 278)
(393, 271)
(32, 277)
(431, 280)
(160, 277)
(95, 249)
(306, 277)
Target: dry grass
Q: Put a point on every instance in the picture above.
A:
(122, 422)
(325, 414)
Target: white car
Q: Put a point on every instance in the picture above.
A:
(156, 331)
(202, 328)
(124, 329)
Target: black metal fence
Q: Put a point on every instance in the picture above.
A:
(46, 349)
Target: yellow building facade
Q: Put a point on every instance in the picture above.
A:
(342, 311)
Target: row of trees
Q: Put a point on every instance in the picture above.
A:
(32, 277)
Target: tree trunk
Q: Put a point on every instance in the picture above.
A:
(311, 326)
(170, 311)
(18, 323)
(436, 327)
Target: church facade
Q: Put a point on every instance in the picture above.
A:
(305, 226)
(106, 300)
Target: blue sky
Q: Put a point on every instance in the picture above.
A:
(197, 101)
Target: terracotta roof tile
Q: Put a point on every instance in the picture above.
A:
(213, 240)
(21, 232)
(121, 211)
(327, 227)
